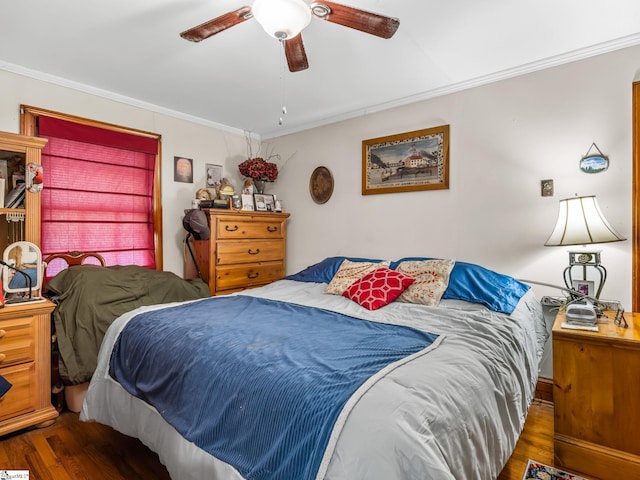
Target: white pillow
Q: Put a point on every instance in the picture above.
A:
(349, 272)
(431, 280)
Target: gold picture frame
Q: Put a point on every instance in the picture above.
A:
(406, 162)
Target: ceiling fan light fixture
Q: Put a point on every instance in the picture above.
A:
(282, 19)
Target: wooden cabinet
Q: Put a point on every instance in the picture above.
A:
(25, 362)
(245, 250)
(25, 331)
(22, 223)
(596, 392)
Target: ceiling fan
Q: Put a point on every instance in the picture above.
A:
(285, 20)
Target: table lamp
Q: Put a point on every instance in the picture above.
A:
(581, 222)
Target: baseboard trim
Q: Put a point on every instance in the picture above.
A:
(544, 389)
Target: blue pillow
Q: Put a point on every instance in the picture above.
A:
(476, 284)
(324, 271)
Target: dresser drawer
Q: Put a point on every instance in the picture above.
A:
(21, 396)
(251, 251)
(17, 341)
(238, 227)
(249, 275)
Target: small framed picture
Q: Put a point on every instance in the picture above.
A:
(214, 175)
(182, 169)
(264, 202)
(585, 287)
(247, 202)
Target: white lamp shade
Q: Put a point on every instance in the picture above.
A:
(282, 19)
(580, 222)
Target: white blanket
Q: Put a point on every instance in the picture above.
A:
(455, 413)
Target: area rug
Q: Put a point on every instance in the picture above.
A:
(540, 471)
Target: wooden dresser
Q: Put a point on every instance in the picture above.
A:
(25, 362)
(596, 391)
(245, 250)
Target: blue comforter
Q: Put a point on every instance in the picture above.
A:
(257, 383)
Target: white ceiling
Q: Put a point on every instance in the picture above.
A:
(130, 50)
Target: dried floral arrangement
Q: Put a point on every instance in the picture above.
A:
(257, 166)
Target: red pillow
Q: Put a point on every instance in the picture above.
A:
(378, 288)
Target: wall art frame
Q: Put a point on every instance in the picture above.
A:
(594, 162)
(406, 162)
(213, 175)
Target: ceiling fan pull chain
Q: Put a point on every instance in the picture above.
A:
(282, 87)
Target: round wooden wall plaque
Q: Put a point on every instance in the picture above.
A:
(321, 185)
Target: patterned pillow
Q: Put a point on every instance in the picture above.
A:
(432, 278)
(349, 272)
(378, 288)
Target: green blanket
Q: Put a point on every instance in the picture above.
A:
(89, 298)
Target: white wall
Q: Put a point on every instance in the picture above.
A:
(180, 137)
(505, 138)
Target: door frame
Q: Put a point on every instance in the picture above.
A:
(635, 249)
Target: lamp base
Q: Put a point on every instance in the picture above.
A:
(585, 259)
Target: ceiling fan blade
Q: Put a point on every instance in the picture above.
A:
(217, 25)
(366, 22)
(296, 56)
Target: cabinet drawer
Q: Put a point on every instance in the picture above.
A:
(233, 277)
(238, 227)
(21, 396)
(229, 253)
(17, 341)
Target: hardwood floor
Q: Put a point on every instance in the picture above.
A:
(74, 450)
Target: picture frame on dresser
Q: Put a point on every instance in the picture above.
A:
(264, 202)
(247, 202)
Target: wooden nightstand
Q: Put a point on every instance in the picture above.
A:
(596, 393)
(25, 361)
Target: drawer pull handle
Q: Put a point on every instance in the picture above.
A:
(232, 229)
(253, 252)
(253, 275)
(271, 229)
(2, 333)
(2, 357)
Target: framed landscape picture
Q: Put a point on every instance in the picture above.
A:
(406, 162)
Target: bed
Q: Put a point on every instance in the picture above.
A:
(435, 385)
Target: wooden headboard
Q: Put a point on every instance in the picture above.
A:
(71, 258)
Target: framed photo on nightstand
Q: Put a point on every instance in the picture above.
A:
(585, 287)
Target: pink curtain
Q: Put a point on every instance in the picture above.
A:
(98, 192)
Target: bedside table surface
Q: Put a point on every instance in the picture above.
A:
(607, 330)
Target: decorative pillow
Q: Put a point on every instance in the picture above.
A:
(431, 280)
(476, 284)
(378, 288)
(324, 271)
(348, 273)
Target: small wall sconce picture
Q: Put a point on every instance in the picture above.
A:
(594, 163)
(182, 170)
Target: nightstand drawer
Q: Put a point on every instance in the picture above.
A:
(249, 275)
(17, 341)
(249, 251)
(238, 227)
(21, 396)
